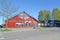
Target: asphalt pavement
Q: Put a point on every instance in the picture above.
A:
(50, 34)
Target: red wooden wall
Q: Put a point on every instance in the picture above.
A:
(11, 23)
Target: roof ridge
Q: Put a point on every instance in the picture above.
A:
(21, 13)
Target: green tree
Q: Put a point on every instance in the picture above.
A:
(56, 13)
(44, 15)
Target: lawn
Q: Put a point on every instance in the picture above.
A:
(44, 28)
(5, 30)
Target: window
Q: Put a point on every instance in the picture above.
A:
(27, 24)
(18, 24)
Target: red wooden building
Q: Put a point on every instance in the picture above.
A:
(22, 20)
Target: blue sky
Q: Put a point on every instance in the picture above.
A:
(32, 7)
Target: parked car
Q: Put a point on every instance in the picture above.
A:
(42, 24)
(54, 23)
(1, 26)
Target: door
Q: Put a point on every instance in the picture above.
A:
(34, 25)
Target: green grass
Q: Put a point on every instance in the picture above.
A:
(41, 29)
(5, 30)
(44, 28)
